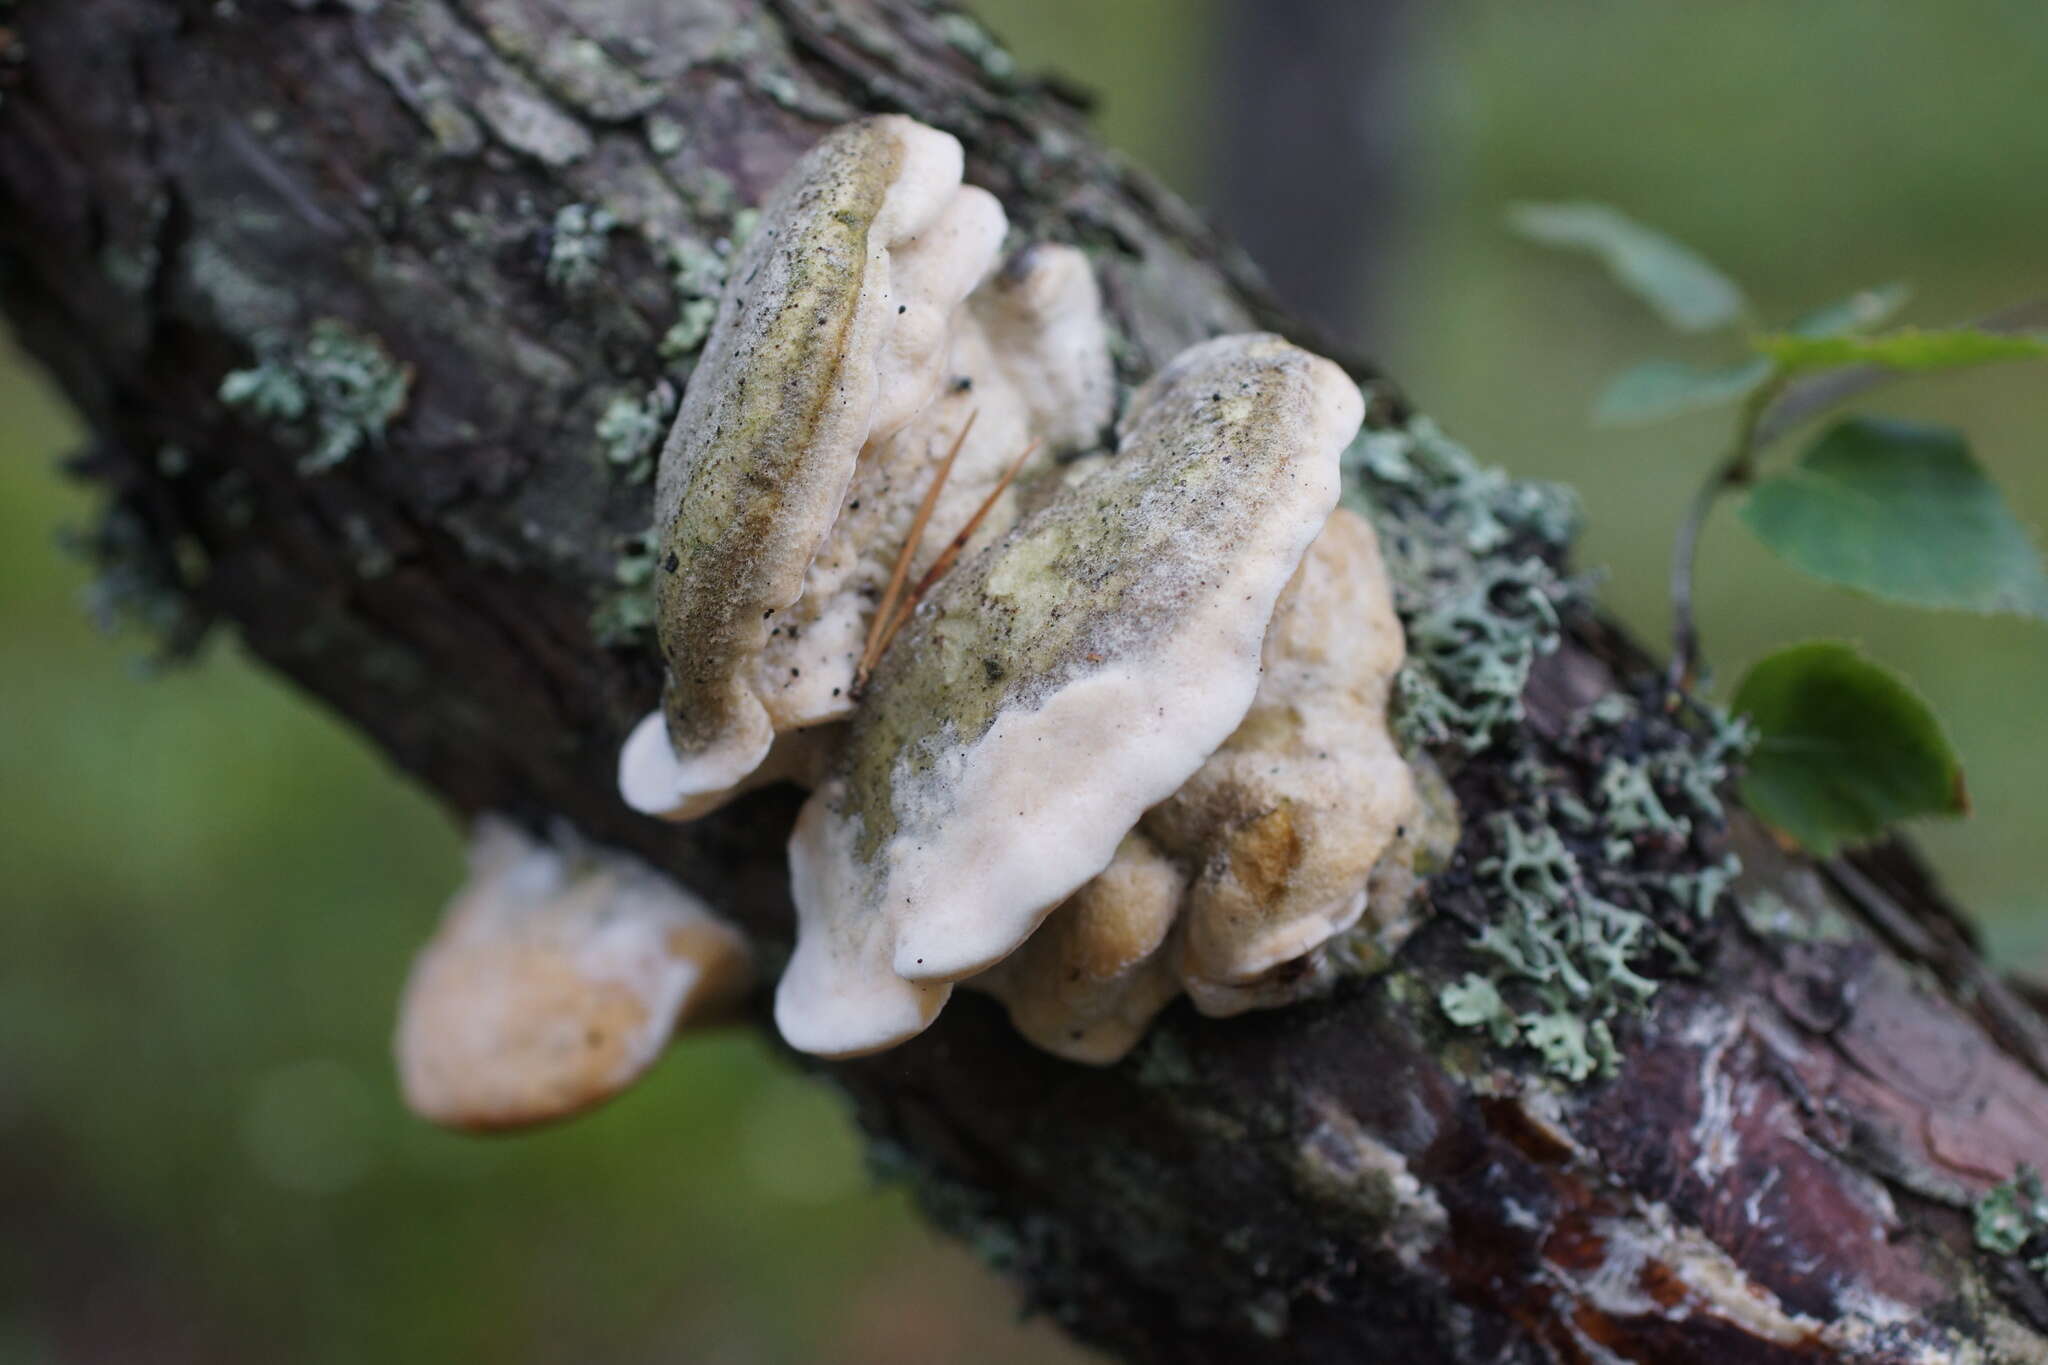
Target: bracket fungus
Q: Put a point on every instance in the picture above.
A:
(792, 470)
(1130, 738)
(557, 977)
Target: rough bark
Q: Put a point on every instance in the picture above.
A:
(1781, 1166)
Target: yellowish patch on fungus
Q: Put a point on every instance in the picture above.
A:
(1014, 391)
(1089, 981)
(1287, 819)
(556, 978)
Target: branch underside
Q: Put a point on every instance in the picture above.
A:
(1779, 1168)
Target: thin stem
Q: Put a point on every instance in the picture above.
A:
(1736, 469)
(1774, 409)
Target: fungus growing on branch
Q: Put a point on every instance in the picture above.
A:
(557, 977)
(821, 343)
(1056, 687)
(844, 364)
(1138, 699)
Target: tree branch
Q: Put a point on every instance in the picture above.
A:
(1780, 1165)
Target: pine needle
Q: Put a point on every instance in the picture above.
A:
(885, 610)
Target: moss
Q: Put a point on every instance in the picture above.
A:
(630, 430)
(577, 245)
(334, 391)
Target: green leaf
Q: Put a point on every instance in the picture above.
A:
(1860, 312)
(1846, 748)
(1657, 389)
(1907, 348)
(1900, 511)
(1687, 293)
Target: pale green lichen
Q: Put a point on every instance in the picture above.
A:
(142, 583)
(625, 617)
(578, 244)
(664, 135)
(967, 36)
(1604, 869)
(2011, 1219)
(1595, 882)
(697, 272)
(630, 430)
(1469, 550)
(337, 389)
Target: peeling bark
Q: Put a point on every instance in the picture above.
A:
(1782, 1165)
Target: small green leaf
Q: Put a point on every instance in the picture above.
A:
(1846, 747)
(1657, 389)
(1900, 511)
(1860, 312)
(1907, 348)
(1687, 293)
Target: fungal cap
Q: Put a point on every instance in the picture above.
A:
(1043, 315)
(1070, 677)
(1085, 985)
(1288, 818)
(808, 357)
(556, 978)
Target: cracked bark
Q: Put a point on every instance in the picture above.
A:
(1782, 1167)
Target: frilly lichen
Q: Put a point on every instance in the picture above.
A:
(1599, 883)
(630, 430)
(1470, 552)
(578, 244)
(341, 383)
(2011, 1219)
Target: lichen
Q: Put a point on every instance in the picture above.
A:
(1598, 881)
(664, 135)
(966, 35)
(335, 390)
(143, 582)
(630, 430)
(1598, 871)
(1471, 554)
(577, 245)
(625, 616)
(697, 271)
(2011, 1219)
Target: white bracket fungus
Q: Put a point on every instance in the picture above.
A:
(558, 975)
(844, 362)
(1058, 686)
(1143, 703)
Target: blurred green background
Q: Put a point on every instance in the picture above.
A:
(213, 891)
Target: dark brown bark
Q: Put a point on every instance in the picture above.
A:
(1781, 1167)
